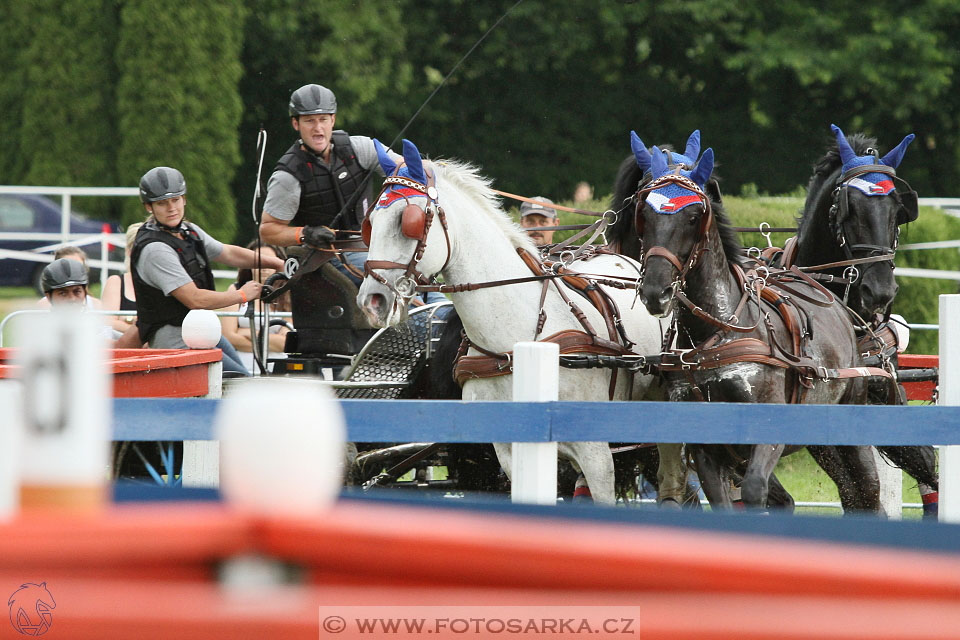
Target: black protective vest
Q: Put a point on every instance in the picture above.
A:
(154, 309)
(323, 190)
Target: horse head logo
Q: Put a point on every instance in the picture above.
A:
(30, 607)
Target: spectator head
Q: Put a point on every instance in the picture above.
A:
(72, 253)
(64, 282)
(534, 215)
(583, 192)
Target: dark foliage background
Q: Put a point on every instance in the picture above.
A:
(97, 92)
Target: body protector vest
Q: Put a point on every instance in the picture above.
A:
(154, 309)
(324, 190)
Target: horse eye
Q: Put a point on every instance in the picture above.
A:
(694, 219)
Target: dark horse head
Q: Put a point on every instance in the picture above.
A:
(853, 210)
(633, 174)
(673, 213)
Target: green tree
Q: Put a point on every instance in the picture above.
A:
(885, 68)
(354, 48)
(178, 102)
(68, 135)
(14, 16)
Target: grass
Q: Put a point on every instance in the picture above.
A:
(807, 482)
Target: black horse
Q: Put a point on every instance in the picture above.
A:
(728, 345)
(853, 211)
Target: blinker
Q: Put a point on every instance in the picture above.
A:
(413, 222)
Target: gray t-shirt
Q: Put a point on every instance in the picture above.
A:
(160, 267)
(283, 190)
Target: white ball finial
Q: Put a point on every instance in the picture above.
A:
(276, 461)
(201, 329)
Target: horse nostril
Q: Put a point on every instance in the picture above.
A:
(666, 296)
(377, 300)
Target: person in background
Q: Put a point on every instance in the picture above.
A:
(583, 192)
(64, 283)
(76, 254)
(534, 215)
(237, 329)
(170, 266)
(118, 293)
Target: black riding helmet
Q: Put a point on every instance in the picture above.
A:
(311, 99)
(161, 183)
(63, 273)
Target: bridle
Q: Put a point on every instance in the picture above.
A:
(839, 213)
(415, 222)
(705, 221)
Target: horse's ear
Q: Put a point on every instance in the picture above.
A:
(895, 156)
(908, 207)
(658, 163)
(693, 146)
(640, 151)
(386, 162)
(712, 189)
(701, 173)
(414, 164)
(846, 151)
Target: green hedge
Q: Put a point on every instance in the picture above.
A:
(917, 299)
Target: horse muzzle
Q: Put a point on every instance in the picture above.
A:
(657, 299)
(378, 303)
(877, 290)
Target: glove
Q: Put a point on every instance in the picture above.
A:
(317, 236)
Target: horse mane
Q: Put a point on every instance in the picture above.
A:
(728, 237)
(624, 187)
(825, 171)
(478, 189)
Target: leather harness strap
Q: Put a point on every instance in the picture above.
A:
(492, 364)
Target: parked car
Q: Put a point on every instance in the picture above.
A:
(39, 214)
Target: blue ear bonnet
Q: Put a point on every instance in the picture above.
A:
(873, 183)
(412, 169)
(671, 198)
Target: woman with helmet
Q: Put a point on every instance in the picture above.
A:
(170, 265)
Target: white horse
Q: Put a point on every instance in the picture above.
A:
(483, 244)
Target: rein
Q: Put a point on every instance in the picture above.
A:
(757, 285)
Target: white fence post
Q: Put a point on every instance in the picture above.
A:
(65, 217)
(67, 411)
(949, 394)
(891, 487)
(536, 378)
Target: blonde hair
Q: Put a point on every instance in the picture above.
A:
(131, 236)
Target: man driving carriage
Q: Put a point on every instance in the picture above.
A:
(318, 193)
